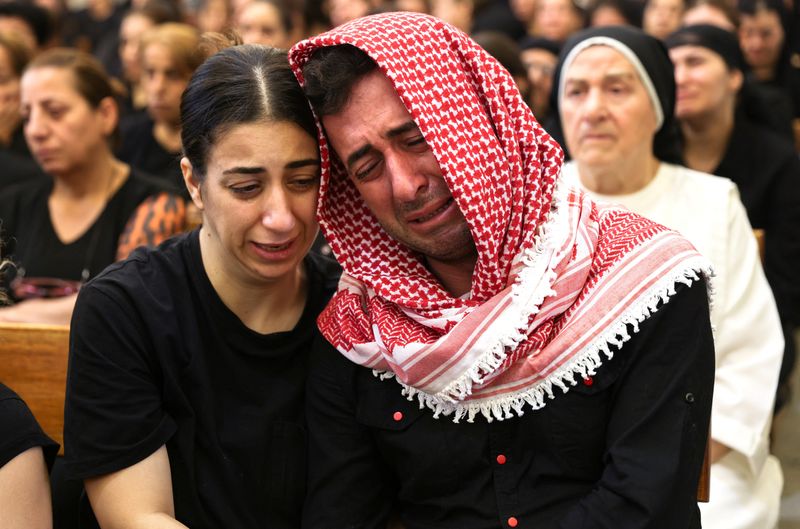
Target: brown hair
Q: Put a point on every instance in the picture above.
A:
(91, 80)
(181, 40)
(18, 52)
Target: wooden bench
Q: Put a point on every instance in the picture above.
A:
(33, 362)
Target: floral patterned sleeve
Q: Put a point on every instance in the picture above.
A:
(155, 220)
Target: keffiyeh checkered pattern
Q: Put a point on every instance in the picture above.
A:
(558, 278)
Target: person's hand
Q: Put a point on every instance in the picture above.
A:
(718, 450)
(9, 109)
(55, 311)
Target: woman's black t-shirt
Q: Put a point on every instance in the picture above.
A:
(31, 242)
(19, 430)
(157, 358)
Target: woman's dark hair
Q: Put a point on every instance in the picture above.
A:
(241, 84)
(91, 80)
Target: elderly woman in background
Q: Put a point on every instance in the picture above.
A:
(616, 96)
(151, 142)
(93, 210)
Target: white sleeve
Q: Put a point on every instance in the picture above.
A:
(749, 344)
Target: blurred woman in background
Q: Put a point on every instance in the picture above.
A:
(728, 130)
(93, 210)
(151, 142)
(15, 158)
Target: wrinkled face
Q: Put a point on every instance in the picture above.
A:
(259, 198)
(63, 131)
(557, 19)
(163, 83)
(662, 17)
(130, 34)
(704, 82)
(761, 38)
(395, 171)
(260, 23)
(707, 14)
(606, 113)
(540, 65)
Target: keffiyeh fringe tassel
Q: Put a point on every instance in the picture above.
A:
(584, 364)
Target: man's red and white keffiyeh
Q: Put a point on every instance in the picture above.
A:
(558, 278)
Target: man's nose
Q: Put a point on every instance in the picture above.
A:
(408, 181)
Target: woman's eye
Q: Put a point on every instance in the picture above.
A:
(245, 189)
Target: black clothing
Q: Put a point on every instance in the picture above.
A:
(33, 245)
(16, 169)
(19, 430)
(766, 169)
(18, 145)
(139, 148)
(157, 358)
(623, 451)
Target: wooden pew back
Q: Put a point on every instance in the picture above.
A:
(33, 362)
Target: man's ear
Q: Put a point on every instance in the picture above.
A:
(193, 184)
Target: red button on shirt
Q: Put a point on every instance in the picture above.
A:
(588, 381)
(501, 459)
(512, 522)
(398, 416)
